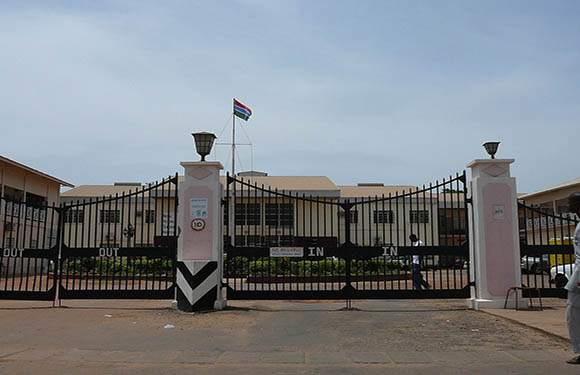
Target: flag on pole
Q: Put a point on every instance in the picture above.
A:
(241, 110)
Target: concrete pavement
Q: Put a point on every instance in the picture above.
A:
(552, 319)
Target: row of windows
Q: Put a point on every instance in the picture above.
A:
(14, 209)
(105, 216)
(276, 214)
(387, 217)
(252, 240)
(283, 215)
(17, 195)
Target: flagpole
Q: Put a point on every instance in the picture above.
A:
(233, 144)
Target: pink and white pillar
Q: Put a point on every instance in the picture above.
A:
(199, 250)
(494, 245)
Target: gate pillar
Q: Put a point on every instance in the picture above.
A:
(494, 245)
(199, 250)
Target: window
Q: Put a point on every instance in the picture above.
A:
(35, 200)
(286, 241)
(271, 241)
(247, 214)
(279, 214)
(353, 216)
(278, 241)
(247, 240)
(383, 217)
(149, 216)
(226, 213)
(168, 224)
(12, 208)
(419, 216)
(110, 216)
(74, 216)
(13, 194)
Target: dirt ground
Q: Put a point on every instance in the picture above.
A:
(304, 329)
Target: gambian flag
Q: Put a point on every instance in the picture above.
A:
(241, 110)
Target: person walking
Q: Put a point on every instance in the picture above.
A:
(418, 280)
(573, 286)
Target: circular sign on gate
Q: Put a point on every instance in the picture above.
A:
(197, 224)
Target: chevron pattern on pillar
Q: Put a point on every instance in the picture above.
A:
(197, 283)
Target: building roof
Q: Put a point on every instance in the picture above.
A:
(372, 191)
(563, 185)
(92, 191)
(35, 171)
(315, 185)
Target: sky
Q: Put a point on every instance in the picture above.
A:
(399, 92)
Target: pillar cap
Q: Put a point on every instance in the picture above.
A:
(477, 162)
(211, 164)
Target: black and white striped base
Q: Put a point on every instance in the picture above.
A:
(197, 283)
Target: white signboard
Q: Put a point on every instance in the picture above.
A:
(498, 212)
(198, 208)
(286, 252)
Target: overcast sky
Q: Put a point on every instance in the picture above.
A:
(400, 92)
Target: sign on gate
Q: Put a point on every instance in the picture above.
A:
(281, 252)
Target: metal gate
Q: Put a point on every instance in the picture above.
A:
(122, 246)
(547, 249)
(286, 245)
(29, 250)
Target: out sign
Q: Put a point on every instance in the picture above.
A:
(12, 253)
(108, 251)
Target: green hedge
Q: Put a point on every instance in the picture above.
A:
(137, 266)
(292, 267)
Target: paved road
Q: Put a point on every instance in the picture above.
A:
(402, 337)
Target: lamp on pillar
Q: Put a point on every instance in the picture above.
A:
(491, 148)
(203, 143)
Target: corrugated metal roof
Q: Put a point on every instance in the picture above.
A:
(310, 185)
(87, 191)
(571, 183)
(35, 171)
(291, 183)
(371, 191)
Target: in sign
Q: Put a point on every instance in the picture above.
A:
(319, 251)
(12, 253)
(108, 251)
(390, 251)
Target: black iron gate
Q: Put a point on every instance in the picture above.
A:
(287, 245)
(121, 246)
(29, 250)
(547, 249)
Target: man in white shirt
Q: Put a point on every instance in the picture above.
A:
(418, 280)
(573, 286)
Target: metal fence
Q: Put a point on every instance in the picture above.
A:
(547, 249)
(118, 246)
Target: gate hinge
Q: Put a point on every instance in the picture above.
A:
(469, 200)
(224, 201)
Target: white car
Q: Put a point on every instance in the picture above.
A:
(536, 265)
(559, 275)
